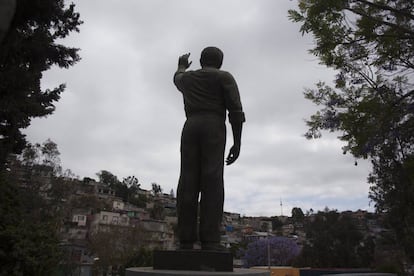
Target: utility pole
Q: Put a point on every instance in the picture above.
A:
(268, 250)
(281, 208)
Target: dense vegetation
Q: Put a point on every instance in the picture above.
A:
(370, 45)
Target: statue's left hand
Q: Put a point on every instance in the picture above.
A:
(183, 61)
(233, 154)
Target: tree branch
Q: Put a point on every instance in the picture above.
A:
(388, 8)
(411, 93)
(395, 26)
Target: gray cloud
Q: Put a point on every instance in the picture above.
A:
(121, 111)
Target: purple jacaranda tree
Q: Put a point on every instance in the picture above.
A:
(282, 252)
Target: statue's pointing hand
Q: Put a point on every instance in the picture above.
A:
(183, 61)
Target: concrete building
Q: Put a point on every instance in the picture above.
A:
(158, 234)
(104, 219)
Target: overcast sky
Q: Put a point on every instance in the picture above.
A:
(121, 111)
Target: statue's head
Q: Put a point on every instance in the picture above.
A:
(211, 57)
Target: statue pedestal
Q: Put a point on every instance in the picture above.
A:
(195, 260)
(149, 271)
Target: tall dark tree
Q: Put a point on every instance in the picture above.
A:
(30, 47)
(156, 189)
(107, 178)
(333, 240)
(131, 181)
(116, 246)
(297, 214)
(370, 44)
(29, 244)
(276, 223)
(127, 189)
(297, 218)
(132, 186)
(7, 9)
(46, 154)
(31, 212)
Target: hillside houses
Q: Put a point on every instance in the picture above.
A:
(96, 209)
(98, 220)
(112, 212)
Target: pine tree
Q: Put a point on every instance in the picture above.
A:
(29, 48)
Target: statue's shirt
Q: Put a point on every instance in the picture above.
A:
(209, 90)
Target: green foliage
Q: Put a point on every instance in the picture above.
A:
(156, 189)
(30, 48)
(35, 200)
(89, 201)
(297, 214)
(46, 154)
(139, 200)
(107, 178)
(28, 235)
(157, 211)
(127, 189)
(333, 240)
(32, 211)
(276, 223)
(117, 246)
(264, 227)
(132, 181)
(237, 249)
(370, 44)
(143, 257)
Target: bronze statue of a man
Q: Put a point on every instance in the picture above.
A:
(208, 93)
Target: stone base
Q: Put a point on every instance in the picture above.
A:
(195, 260)
(149, 271)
